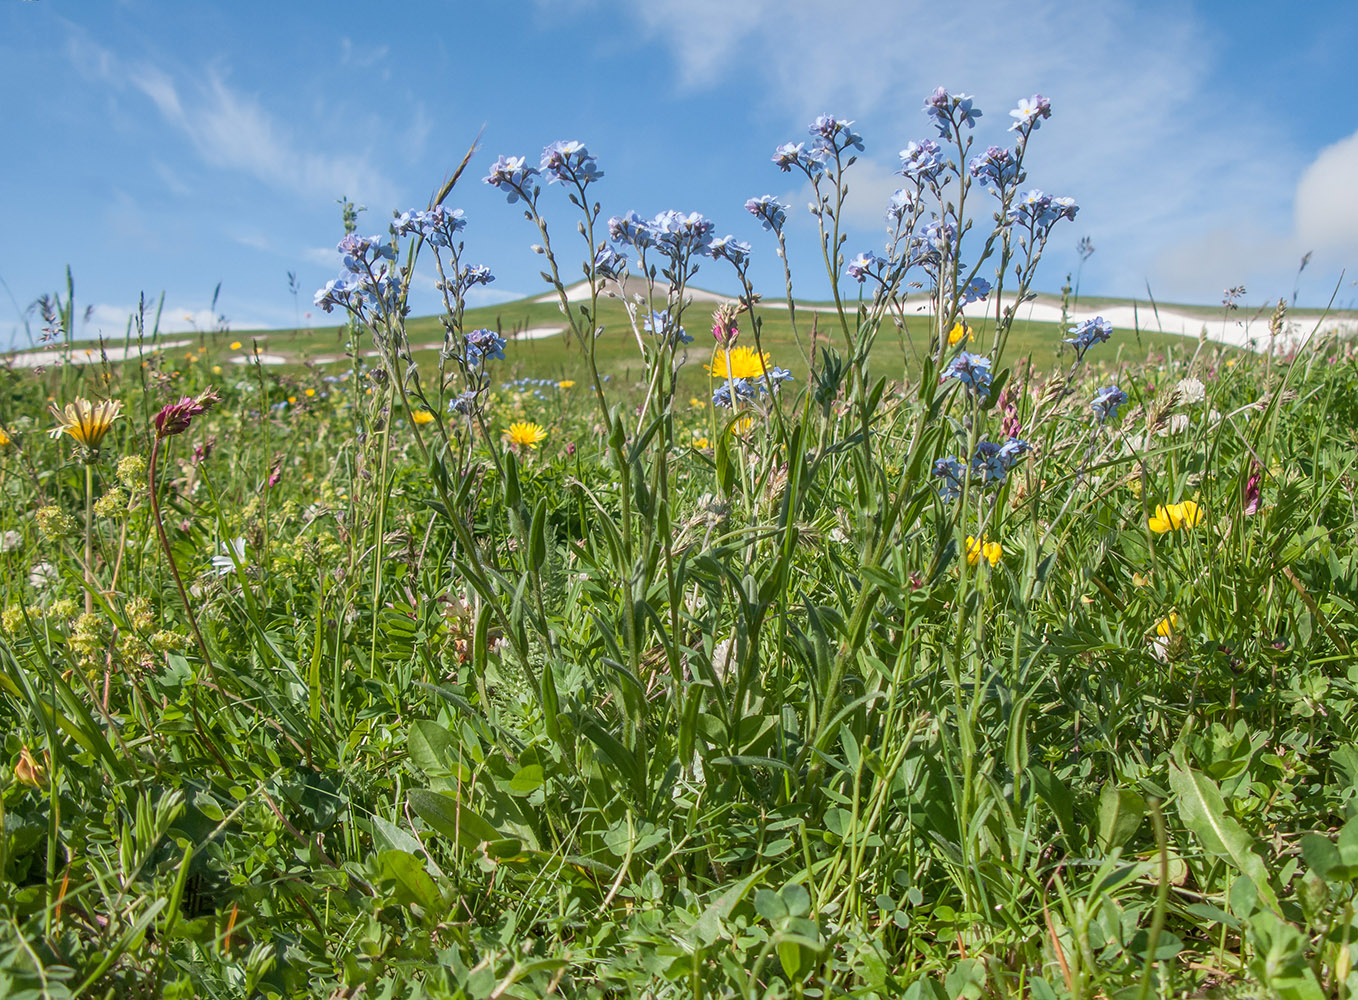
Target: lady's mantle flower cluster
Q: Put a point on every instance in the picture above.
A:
(990, 464)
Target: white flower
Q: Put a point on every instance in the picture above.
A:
(42, 576)
(233, 553)
(10, 541)
(1178, 423)
(1191, 391)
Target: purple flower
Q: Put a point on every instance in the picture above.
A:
(922, 161)
(865, 264)
(996, 168)
(174, 418)
(1030, 111)
(731, 249)
(947, 111)
(972, 370)
(768, 210)
(511, 174)
(951, 474)
(569, 160)
(901, 204)
(631, 229)
(608, 262)
(1106, 402)
(483, 344)
(1090, 332)
(833, 135)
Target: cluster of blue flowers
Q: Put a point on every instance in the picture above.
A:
(950, 112)
(365, 280)
(1038, 211)
(991, 464)
(678, 235)
(769, 211)
(511, 175)
(568, 161)
(732, 249)
(975, 290)
(748, 389)
(1107, 401)
(437, 225)
(1087, 334)
(901, 204)
(997, 169)
(922, 161)
(972, 370)
(659, 323)
(608, 263)
(1029, 114)
(482, 345)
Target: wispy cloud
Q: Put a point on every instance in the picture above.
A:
(1154, 151)
(230, 129)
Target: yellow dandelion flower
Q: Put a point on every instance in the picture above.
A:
(740, 362)
(311, 392)
(976, 550)
(1176, 516)
(292, 399)
(235, 345)
(960, 332)
(85, 421)
(696, 403)
(742, 426)
(566, 383)
(422, 417)
(4, 439)
(700, 442)
(524, 434)
(1166, 627)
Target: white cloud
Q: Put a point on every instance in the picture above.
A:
(1327, 199)
(232, 130)
(1153, 151)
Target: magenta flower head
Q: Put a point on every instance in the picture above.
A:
(175, 418)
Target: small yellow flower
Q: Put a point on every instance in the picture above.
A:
(422, 417)
(740, 362)
(216, 369)
(700, 442)
(742, 426)
(1176, 516)
(566, 383)
(311, 392)
(4, 439)
(696, 403)
(235, 345)
(991, 551)
(292, 399)
(959, 332)
(526, 435)
(1167, 626)
(85, 421)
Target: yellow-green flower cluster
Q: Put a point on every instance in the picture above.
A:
(88, 639)
(55, 524)
(112, 504)
(12, 621)
(132, 471)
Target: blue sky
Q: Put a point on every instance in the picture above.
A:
(168, 146)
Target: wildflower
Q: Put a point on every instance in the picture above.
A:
(951, 472)
(1167, 626)
(112, 503)
(29, 771)
(235, 345)
(10, 540)
(768, 210)
(526, 435)
(608, 263)
(972, 370)
(734, 390)
(1030, 111)
(864, 265)
(739, 363)
(1090, 332)
(697, 403)
(510, 174)
(833, 135)
(1175, 517)
(700, 442)
(566, 383)
(997, 168)
(54, 523)
(941, 107)
(900, 204)
(233, 554)
(978, 549)
(1191, 390)
(1106, 402)
(660, 323)
(724, 329)
(131, 470)
(677, 233)
(976, 289)
(44, 574)
(960, 332)
(992, 462)
(85, 421)
(4, 438)
(631, 229)
(422, 417)
(569, 160)
(922, 161)
(174, 418)
(794, 154)
(732, 249)
(483, 344)
(1252, 493)
(12, 620)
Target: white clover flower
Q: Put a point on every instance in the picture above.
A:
(42, 576)
(1191, 391)
(10, 541)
